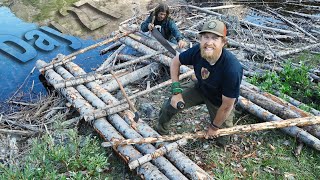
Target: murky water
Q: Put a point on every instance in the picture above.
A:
(15, 69)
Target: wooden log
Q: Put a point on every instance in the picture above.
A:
(152, 43)
(297, 50)
(180, 160)
(293, 131)
(107, 131)
(267, 103)
(93, 86)
(146, 50)
(72, 55)
(134, 61)
(104, 112)
(98, 75)
(222, 7)
(163, 164)
(17, 132)
(126, 57)
(76, 81)
(277, 106)
(298, 103)
(126, 97)
(246, 22)
(313, 17)
(166, 83)
(293, 24)
(110, 60)
(112, 46)
(157, 153)
(131, 77)
(221, 132)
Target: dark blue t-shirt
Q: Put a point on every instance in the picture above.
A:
(222, 78)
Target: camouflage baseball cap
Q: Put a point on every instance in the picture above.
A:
(214, 26)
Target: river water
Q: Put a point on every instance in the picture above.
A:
(14, 69)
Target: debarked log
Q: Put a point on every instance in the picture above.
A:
(163, 84)
(131, 77)
(274, 105)
(293, 131)
(163, 164)
(98, 74)
(146, 50)
(298, 104)
(110, 47)
(147, 171)
(221, 132)
(181, 161)
(76, 81)
(70, 56)
(109, 61)
(157, 153)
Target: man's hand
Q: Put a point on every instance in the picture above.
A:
(150, 26)
(175, 99)
(212, 132)
(182, 43)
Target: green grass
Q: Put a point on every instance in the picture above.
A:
(48, 7)
(60, 157)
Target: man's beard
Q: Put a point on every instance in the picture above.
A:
(211, 57)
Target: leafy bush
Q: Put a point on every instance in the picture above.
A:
(291, 81)
(72, 156)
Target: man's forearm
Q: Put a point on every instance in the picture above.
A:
(175, 69)
(221, 115)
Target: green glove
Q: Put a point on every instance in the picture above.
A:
(176, 88)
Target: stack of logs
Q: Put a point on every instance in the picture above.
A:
(90, 94)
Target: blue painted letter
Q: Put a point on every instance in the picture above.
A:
(42, 38)
(29, 53)
(75, 43)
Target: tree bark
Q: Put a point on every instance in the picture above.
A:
(221, 132)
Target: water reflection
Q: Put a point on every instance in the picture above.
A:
(13, 72)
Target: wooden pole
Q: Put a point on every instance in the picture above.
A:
(157, 153)
(136, 117)
(220, 132)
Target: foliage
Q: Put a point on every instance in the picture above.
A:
(71, 156)
(292, 81)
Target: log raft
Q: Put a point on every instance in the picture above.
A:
(90, 93)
